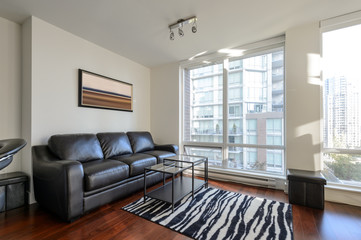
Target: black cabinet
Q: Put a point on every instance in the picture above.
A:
(306, 188)
(13, 190)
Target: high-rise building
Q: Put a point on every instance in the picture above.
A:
(342, 115)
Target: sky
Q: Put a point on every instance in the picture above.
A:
(341, 51)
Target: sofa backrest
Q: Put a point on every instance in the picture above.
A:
(141, 141)
(115, 143)
(79, 147)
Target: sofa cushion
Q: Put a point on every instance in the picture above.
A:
(141, 141)
(101, 173)
(79, 147)
(137, 162)
(114, 144)
(160, 155)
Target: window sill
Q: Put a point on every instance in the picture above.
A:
(347, 188)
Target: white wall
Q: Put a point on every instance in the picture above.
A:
(303, 94)
(10, 82)
(27, 101)
(165, 100)
(55, 57)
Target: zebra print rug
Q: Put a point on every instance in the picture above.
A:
(219, 214)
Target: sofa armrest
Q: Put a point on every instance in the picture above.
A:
(58, 184)
(167, 147)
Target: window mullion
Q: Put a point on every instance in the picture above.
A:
(225, 109)
(341, 151)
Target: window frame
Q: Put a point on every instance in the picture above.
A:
(329, 25)
(267, 46)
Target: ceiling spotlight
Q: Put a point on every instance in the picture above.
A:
(179, 25)
(171, 36)
(194, 27)
(180, 32)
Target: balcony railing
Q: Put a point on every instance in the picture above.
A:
(277, 77)
(206, 132)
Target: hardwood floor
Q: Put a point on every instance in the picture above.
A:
(337, 221)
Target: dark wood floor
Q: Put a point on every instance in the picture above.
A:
(337, 221)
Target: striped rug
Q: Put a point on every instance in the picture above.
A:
(219, 214)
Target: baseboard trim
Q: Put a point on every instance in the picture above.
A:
(259, 181)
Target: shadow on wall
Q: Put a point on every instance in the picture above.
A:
(304, 111)
(310, 158)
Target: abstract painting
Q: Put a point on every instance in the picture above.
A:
(98, 91)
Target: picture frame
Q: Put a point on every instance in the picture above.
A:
(98, 91)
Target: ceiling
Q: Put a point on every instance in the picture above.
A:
(138, 29)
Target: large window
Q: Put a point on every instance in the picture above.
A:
(204, 104)
(341, 50)
(233, 111)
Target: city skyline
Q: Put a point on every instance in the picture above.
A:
(342, 113)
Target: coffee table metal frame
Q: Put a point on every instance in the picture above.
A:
(177, 188)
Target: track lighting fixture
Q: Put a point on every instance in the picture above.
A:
(180, 32)
(179, 24)
(171, 36)
(194, 27)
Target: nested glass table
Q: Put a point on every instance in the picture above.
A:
(177, 188)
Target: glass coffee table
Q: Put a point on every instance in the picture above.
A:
(177, 188)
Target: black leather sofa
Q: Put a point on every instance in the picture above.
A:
(76, 173)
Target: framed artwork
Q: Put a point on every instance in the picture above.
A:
(97, 91)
